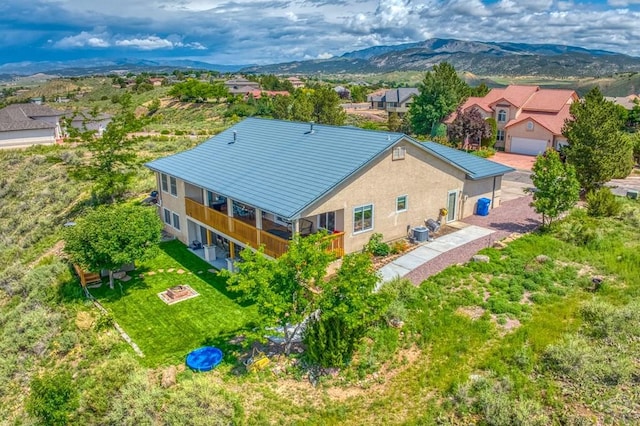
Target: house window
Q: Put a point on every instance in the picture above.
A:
(328, 221)
(363, 218)
(167, 216)
(530, 126)
(176, 221)
(401, 203)
(164, 182)
(500, 136)
(398, 153)
(502, 116)
(174, 186)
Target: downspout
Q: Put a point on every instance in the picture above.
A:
(493, 193)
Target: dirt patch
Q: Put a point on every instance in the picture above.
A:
(472, 312)
(508, 326)
(526, 298)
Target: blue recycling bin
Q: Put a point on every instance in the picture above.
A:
(483, 207)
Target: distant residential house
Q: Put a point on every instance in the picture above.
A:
(84, 121)
(257, 93)
(261, 181)
(296, 82)
(343, 92)
(529, 119)
(23, 125)
(156, 81)
(241, 86)
(393, 100)
(628, 102)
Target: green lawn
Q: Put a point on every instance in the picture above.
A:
(166, 333)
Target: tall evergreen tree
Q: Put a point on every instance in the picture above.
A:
(598, 148)
(441, 92)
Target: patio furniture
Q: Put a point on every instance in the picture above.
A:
(195, 245)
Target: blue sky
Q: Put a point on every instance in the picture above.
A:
(269, 31)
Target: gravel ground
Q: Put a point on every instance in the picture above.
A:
(514, 216)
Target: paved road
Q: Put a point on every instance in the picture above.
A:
(514, 184)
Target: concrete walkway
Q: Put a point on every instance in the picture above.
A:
(428, 251)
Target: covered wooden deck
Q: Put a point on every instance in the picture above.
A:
(274, 237)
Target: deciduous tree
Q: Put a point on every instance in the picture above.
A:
(112, 160)
(598, 148)
(441, 92)
(111, 236)
(286, 290)
(556, 187)
(469, 126)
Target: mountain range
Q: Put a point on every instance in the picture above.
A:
(481, 58)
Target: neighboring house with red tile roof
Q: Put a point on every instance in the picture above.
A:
(529, 118)
(257, 93)
(23, 125)
(296, 82)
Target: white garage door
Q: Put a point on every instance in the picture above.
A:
(528, 146)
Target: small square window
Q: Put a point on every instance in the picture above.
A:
(398, 153)
(164, 182)
(401, 203)
(174, 186)
(176, 221)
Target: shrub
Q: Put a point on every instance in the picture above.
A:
(376, 246)
(53, 397)
(602, 203)
(330, 342)
(165, 132)
(399, 246)
(484, 152)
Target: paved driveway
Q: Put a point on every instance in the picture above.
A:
(517, 161)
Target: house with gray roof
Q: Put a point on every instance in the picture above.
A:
(23, 125)
(260, 181)
(394, 100)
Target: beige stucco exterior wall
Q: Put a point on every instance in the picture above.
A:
(25, 138)
(424, 178)
(475, 189)
(176, 205)
(520, 131)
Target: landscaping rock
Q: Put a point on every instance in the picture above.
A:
(180, 271)
(171, 269)
(480, 258)
(542, 258)
(169, 377)
(499, 245)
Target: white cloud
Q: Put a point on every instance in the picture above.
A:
(84, 39)
(622, 3)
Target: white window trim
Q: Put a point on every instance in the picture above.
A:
(173, 222)
(406, 203)
(362, 231)
(530, 126)
(162, 186)
(171, 193)
(506, 116)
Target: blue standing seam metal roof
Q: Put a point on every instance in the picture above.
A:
(282, 167)
(278, 166)
(475, 167)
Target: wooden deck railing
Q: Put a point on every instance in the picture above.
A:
(274, 246)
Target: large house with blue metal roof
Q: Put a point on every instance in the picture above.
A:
(261, 181)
